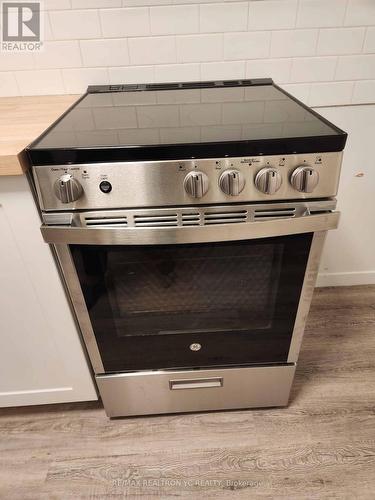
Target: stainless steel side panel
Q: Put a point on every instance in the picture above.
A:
(145, 393)
(198, 234)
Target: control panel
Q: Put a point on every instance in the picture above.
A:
(205, 181)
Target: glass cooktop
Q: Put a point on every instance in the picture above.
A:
(183, 116)
(131, 117)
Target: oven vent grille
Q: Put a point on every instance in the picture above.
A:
(156, 220)
(224, 217)
(274, 213)
(190, 219)
(106, 221)
(197, 85)
(194, 216)
(162, 86)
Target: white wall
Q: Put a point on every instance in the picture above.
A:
(324, 49)
(349, 253)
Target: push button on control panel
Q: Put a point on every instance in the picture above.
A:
(105, 187)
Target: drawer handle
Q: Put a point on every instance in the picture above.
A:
(196, 383)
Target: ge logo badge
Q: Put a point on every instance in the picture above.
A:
(195, 347)
(21, 26)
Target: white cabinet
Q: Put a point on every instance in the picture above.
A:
(42, 359)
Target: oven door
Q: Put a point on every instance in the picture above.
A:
(191, 305)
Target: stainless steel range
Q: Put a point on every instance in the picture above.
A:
(188, 220)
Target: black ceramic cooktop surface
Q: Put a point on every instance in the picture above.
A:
(170, 121)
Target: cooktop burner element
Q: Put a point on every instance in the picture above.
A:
(186, 120)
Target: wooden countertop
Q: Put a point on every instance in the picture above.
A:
(23, 119)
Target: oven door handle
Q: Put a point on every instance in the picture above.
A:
(73, 235)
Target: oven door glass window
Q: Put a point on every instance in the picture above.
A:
(149, 304)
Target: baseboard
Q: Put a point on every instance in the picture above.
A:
(40, 397)
(346, 279)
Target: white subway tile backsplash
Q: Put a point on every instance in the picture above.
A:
(277, 69)
(177, 19)
(62, 54)
(47, 27)
(369, 45)
(320, 13)
(360, 13)
(152, 50)
(8, 85)
(125, 22)
(135, 3)
(177, 72)
(12, 61)
(195, 48)
(109, 52)
(56, 4)
(249, 45)
(40, 82)
(131, 74)
(364, 92)
(293, 43)
(223, 70)
(95, 4)
(77, 80)
(313, 69)
(223, 17)
(356, 67)
(314, 48)
(334, 41)
(272, 14)
(330, 94)
(75, 24)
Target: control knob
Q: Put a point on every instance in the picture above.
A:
(304, 179)
(196, 184)
(232, 182)
(268, 180)
(67, 189)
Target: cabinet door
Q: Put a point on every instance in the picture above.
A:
(41, 356)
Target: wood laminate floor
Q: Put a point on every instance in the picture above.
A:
(321, 446)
